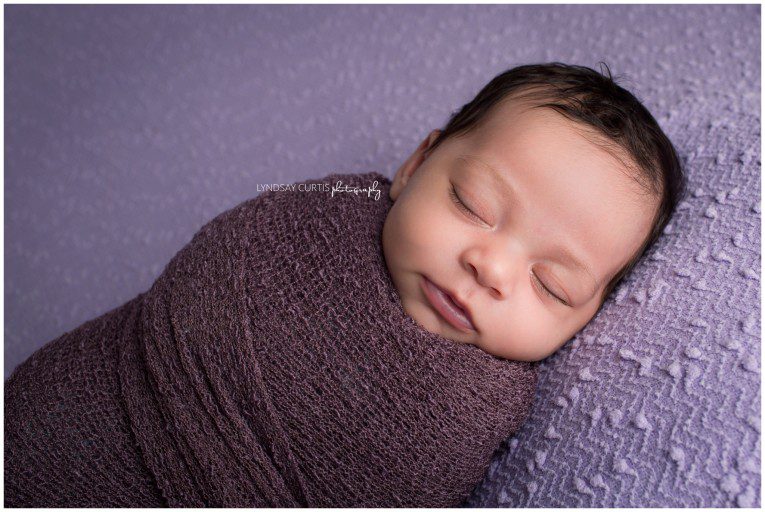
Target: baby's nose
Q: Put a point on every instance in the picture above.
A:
(491, 270)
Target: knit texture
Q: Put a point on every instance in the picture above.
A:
(270, 365)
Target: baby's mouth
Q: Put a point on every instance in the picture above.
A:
(445, 306)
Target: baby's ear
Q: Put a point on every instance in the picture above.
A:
(412, 163)
(432, 136)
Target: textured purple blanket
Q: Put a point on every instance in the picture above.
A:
(270, 364)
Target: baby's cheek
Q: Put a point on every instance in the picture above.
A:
(517, 331)
(423, 229)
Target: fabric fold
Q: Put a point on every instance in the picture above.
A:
(271, 364)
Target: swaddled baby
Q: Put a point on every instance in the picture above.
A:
(354, 341)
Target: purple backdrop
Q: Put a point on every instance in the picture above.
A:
(128, 127)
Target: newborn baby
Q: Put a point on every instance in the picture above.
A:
(300, 349)
(512, 225)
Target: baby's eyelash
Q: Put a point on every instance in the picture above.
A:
(460, 204)
(547, 291)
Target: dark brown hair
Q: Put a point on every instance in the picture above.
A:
(593, 100)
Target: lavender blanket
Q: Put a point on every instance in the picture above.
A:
(270, 365)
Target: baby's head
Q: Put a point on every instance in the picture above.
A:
(528, 208)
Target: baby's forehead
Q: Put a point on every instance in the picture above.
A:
(614, 189)
(541, 134)
(534, 122)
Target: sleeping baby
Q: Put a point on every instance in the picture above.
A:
(513, 224)
(355, 341)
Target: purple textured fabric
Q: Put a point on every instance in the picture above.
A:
(270, 365)
(128, 127)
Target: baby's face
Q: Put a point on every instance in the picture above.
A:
(544, 213)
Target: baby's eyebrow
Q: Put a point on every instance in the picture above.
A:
(567, 256)
(503, 186)
(508, 192)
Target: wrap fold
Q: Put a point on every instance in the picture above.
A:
(271, 364)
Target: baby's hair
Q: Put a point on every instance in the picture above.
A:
(592, 100)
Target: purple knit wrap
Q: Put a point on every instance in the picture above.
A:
(270, 364)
